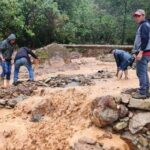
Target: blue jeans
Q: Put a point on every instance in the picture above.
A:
(23, 62)
(6, 69)
(142, 73)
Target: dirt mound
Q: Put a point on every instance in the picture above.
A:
(63, 113)
(56, 51)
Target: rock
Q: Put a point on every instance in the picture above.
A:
(123, 111)
(3, 102)
(131, 114)
(129, 91)
(8, 107)
(36, 117)
(12, 103)
(42, 107)
(48, 80)
(85, 146)
(104, 111)
(139, 104)
(86, 143)
(125, 99)
(87, 140)
(138, 121)
(120, 126)
(130, 140)
(126, 119)
(143, 141)
(2, 106)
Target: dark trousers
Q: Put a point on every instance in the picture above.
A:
(142, 73)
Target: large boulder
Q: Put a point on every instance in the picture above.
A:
(106, 111)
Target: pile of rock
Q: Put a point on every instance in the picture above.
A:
(126, 116)
(14, 94)
(74, 80)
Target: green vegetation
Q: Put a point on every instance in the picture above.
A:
(40, 22)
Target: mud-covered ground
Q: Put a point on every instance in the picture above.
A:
(50, 116)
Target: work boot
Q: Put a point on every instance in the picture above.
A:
(30, 80)
(15, 83)
(139, 96)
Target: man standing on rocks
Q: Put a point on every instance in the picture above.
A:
(142, 53)
(22, 59)
(6, 50)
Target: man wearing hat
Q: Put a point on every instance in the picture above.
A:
(142, 53)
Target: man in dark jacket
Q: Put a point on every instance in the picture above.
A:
(6, 50)
(123, 61)
(142, 52)
(23, 59)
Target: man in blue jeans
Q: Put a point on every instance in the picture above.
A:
(22, 59)
(142, 53)
(6, 50)
(123, 60)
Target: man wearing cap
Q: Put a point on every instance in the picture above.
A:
(142, 53)
(6, 50)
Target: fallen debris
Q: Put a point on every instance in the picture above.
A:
(124, 115)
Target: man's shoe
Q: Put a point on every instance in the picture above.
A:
(15, 83)
(30, 80)
(139, 96)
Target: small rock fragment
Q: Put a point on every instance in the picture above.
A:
(120, 126)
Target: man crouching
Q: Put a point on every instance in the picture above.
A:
(22, 59)
(123, 61)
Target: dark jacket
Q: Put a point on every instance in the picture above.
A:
(24, 52)
(6, 49)
(142, 39)
(123, 59)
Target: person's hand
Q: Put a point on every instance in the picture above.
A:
(36, 62)
(3, 60)
(139, 56)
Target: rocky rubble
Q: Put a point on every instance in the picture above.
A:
(74, 80)
(63, 80)
(14, 94)
(124, 115)
(11, 96)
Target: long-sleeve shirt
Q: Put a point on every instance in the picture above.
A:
(24, 52)
(142, 39)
